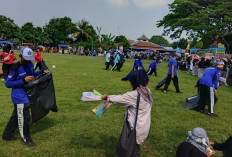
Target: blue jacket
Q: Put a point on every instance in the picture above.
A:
(211, 77)
(138, 63)
(172, 62)
(15, 80)
(117, 59)
(153, 65)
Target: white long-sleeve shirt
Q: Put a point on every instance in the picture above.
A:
(129, 100)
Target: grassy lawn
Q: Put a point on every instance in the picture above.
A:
(76, 131)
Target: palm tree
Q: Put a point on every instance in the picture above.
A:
(107, 41)
(85, 31)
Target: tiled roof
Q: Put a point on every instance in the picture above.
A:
(146, 45)
(143, 37)
(131, 41)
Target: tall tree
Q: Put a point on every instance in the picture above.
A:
(160, 40)
(84, 31)
(209, 20)
(59, 29)
(107, 41)
(182, 43)
(8, 28)
(122, 40)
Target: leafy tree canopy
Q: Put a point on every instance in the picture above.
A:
(160, 40)
(8, 28)
(122, 40)
(208, 20)
(59, 29)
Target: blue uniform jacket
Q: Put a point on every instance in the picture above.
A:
(15, 80)
(211, 77)
(138, 63)
(172, 62)
(153, 65)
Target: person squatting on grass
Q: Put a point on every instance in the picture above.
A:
(208, 88)
(195, 145)
(152, 68)
(138, 63)
(8, 57)
(139, 82)
(172, 74)
(20, 74)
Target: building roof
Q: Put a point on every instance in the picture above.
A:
(143, 38)
(131, 41)
(146, 45)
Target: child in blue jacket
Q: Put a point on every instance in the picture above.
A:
(20, 74)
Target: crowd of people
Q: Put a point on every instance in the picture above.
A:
(138, 102)
(197, 143)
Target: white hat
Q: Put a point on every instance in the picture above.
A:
(220, 63)
(27, 53)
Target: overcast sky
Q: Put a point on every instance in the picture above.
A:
(131, 18)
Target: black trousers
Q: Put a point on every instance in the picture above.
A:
(107, 65)
(118, 66)
(207, 97)
(6, 70)
(20, 118)
(175, 82)
(38, 64)
(151, 70)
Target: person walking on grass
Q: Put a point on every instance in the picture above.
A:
(172, 74)
(208, 88)
(116, 62)
(20, 74)
(139, 99)
(107, 60)
(38, 58)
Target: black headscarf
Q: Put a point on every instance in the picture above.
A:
(137, 78)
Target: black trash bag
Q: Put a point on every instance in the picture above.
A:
(41, 94)
(161, 83)
(192, 102)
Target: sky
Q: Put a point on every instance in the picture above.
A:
(131, 18)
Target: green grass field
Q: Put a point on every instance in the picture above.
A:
(76, 131)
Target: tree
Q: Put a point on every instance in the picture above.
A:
(84, 31)
(182, 43)
(160, 40)
(122, 40)
(210, 20)
(8, 28)
(107, 41)
(59, 29)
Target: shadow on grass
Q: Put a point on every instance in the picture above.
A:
(106, 143)
(41, 125)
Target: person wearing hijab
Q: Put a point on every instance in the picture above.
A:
(195, 145)
(226, 147)
(139, 82)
